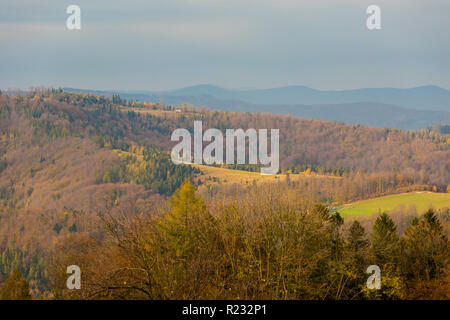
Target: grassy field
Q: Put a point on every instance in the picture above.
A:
(422, 201)
(224, 175)
(159, 113)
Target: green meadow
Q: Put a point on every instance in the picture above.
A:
(422, 201)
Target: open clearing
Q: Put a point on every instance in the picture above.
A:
(225, 175)
(422, 201)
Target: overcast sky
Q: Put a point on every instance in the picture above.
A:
(166, 44)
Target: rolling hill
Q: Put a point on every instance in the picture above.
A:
(419, 98)
(409, 109)
(69, 162)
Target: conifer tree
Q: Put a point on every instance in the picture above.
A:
(357, 237)
(425, 248)
(181, 224)
(384, 240)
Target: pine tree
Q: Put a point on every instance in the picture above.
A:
(425, 248)
(384, 240)
(357, 237)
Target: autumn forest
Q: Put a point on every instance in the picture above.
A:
(88, 180)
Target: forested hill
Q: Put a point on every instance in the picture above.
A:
(114, 123)
(67, 160)
(408, 109)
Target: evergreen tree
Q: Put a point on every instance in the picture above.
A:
(384, 240)
(425, 248)
(357, 237)
(185, 208)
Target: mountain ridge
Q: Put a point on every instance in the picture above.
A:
(427, 97)
(363, 111)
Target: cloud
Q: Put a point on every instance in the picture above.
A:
(162, 44)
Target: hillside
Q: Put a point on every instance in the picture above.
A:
(419, 98)
(335, 146)
(62, 150)
(327, 146)
(69, 163)
(409, 109)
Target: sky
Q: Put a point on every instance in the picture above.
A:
(166, 44)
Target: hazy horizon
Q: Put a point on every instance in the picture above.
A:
(245, 88)
(163, 45)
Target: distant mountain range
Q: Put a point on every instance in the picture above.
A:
(409, 109)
